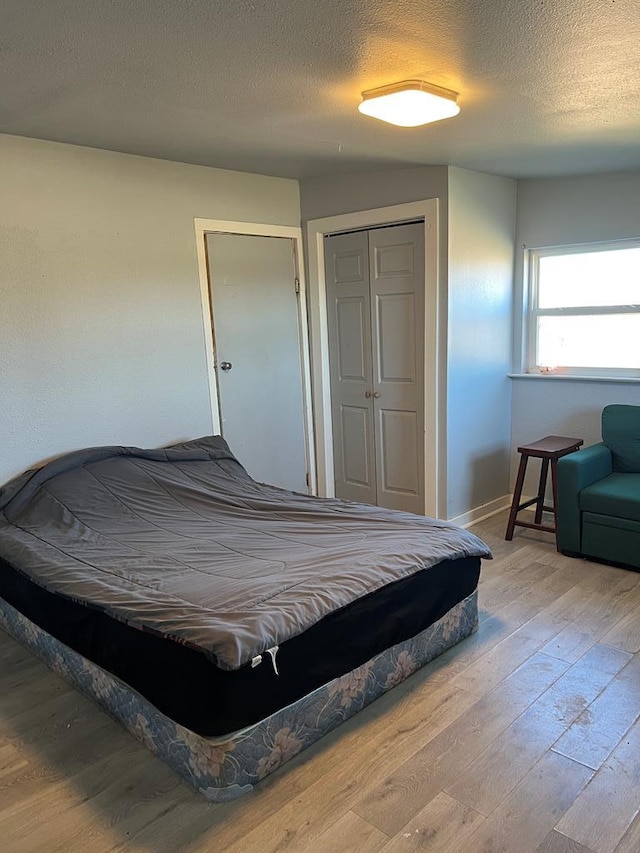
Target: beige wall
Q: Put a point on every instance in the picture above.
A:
(101, 335)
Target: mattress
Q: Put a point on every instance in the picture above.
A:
(185, 685)
(218, 599)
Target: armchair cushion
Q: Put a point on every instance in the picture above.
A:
(621, 434)
(616, 495)
(612, 539)
(576, 471)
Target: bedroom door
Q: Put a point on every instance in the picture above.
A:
(375, 314)
(252, 283)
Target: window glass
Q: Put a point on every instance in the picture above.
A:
(590, 278)
(610, 340)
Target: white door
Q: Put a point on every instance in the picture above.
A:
(349, 325)
(257, 355)
(396, 264)
(375, 315)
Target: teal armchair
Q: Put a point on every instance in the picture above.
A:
(598, 512)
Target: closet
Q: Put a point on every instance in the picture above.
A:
(375, 316)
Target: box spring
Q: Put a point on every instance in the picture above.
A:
(224, 767)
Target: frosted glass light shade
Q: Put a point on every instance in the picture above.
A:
(410, 103)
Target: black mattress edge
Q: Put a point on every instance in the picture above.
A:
(186, 686)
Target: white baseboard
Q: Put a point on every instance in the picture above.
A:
(482, 512)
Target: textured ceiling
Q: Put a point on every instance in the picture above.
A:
(547, 87)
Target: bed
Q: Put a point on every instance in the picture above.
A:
(228, 624)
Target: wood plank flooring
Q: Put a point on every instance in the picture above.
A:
(525, 737)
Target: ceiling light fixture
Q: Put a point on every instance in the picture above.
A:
(410, 103)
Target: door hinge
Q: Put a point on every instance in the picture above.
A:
(297, 283)
(308, 478)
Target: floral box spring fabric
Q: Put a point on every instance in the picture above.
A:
(223, 768)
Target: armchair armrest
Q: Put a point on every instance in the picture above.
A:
(576, 471)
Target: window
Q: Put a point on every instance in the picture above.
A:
(584, 309)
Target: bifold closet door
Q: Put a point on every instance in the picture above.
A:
(375, 316)
(396, 272)
(349, 325)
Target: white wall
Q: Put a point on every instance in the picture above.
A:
(331, 196)
(101, 336)
(477, 221)
(563, 407)
(322, 197)
(555, 212)
(481, 249)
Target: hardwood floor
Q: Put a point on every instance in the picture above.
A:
(525, 737)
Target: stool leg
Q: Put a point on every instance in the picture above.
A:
(517, 494)
(542, 487)
(554, 485)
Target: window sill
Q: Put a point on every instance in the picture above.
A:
(564, 377)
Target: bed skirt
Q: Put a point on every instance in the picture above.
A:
(222, 768)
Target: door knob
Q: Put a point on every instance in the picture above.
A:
(225, 365)
(367, 393)
(376, 394)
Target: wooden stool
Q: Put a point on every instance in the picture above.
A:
(550, 448)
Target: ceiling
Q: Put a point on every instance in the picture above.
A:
(547, 87)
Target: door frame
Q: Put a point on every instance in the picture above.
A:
(257, 229)
(428, 211)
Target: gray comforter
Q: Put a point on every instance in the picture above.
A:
(183, 542)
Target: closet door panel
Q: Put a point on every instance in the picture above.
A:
(399, 437)
(356, 439)
(352, 360)
(350, 365)
(396, 257)
(396, 339)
